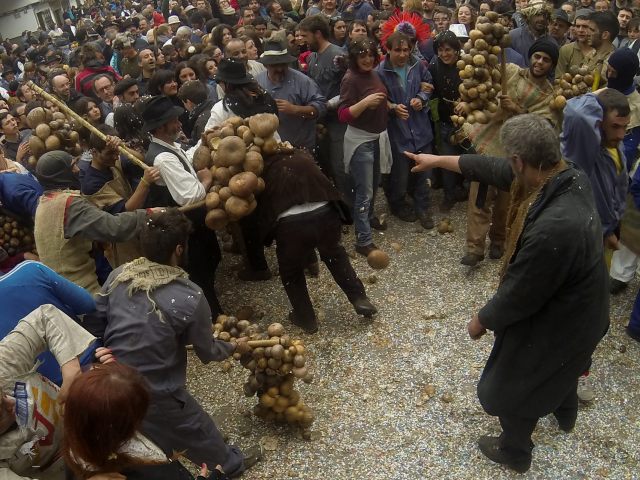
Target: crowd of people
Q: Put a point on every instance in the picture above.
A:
(121, 281)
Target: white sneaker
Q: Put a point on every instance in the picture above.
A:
(585, 389)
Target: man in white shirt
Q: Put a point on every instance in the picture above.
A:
(181, 185)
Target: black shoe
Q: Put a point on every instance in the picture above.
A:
(447, 204)
(471, 259)
(405, 213)
(248, 275)
(426, 220)
(376, 224)
(490, 447)
(495, 252)
(567, 423)
(313, 269)
(309, 326)
(634, 335)
(366, 249)
(616, 286)
(364, 307)
(252, 455)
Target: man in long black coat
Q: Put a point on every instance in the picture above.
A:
(551, 308)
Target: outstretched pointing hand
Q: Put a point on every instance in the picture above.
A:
(424, 161)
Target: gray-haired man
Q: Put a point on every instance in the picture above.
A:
(551, 308)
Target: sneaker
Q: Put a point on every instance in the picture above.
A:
(616, 286)
(405, 213)
(490, 447)
(248, 275)
(632, 334)
(378, 224)
(364, 307)
(365, 250)
(586, 393)
(309, 326)
(471, 259)
(495, 252)
(252, 455)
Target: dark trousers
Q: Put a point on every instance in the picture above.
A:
(400, 179)
(176, 422)
(450, 180)
(296, 238)
(203, 259)
(516, 431)
(253, 244)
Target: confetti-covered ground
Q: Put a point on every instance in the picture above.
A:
(395, 398)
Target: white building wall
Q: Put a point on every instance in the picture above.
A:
(16, 16)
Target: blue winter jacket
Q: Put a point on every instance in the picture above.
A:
(415, 133)
(19, 193)
(581, 143)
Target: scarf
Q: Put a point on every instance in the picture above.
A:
(144, 275)
(521, 202)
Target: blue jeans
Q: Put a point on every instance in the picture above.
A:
(365, 173)
(399, 182)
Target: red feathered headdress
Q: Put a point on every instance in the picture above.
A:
(410, 24)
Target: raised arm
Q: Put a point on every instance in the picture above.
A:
(46, 328)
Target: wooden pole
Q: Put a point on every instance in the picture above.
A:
(262, 343)
(130, 154)
(503, 71)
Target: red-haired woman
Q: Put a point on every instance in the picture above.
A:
(104, 409)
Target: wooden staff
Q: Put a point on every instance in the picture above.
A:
(262, 343)
(130, 154)
(503, 71)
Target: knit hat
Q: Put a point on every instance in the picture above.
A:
(547, 46)
(54, 171)
(625, 62)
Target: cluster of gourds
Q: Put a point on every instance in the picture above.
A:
(275, 362)
(15, 237)
(577, 81)
(234, 154)
(480, 72)
(50, 131)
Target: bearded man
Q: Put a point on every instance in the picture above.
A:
(528, 91)
(551, 308)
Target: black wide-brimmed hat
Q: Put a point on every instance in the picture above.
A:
(158, 111)
(233, 71)
(275, 53)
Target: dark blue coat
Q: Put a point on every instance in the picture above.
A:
(19, 194)
(415, 133)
